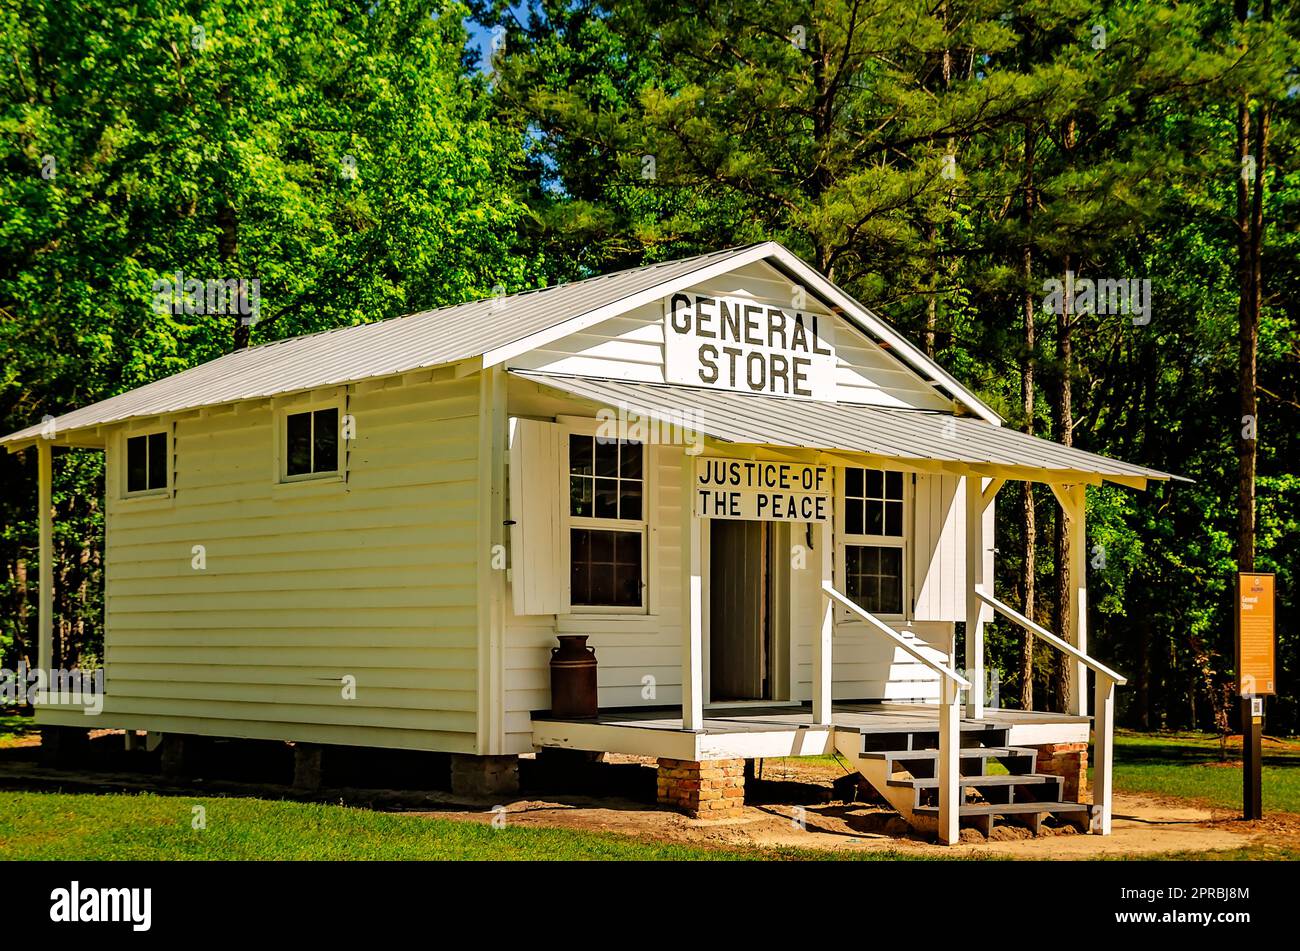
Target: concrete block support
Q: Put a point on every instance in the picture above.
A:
(712, 789)
(64, 747)
(481, 777)
(179, 754)
(1069, 761)
(307, 766)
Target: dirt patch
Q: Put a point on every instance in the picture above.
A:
(1140, 827)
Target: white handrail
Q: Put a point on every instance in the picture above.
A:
(1061, 645)
(889, 632)
(1103, 721)
(948, 765)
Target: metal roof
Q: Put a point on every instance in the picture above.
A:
(903, 434)
(348, 354)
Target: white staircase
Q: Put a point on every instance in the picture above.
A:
(902, 765)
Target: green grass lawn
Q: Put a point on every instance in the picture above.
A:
(1189, 766)
(63, 826)
(139, 827)
(116, 826)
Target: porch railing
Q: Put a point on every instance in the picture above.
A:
(1103, 723)
(952, 683)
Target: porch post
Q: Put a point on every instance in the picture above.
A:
(1073, 501)
(45, 555)
(949, 765)
(821, 658)
(692, 604)
(1103, 753)
(976, 612)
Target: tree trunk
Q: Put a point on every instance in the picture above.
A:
(1250, 240)
(1027, 405)
(227, 250)
(931, 303)
(1064, 669)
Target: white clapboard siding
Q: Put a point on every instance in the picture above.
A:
(864, 665)
(631, 346)
(306, 584)
(639, 655)
(536, 574)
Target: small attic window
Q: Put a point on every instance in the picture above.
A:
(311, 443)
(147, 462)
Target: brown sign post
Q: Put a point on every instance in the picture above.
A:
(1256, 678)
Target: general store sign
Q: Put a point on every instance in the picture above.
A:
(761, 491)
(1256, 643)
(737, 343)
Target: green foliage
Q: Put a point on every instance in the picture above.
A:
(829, 127)
(220, 140)
(915, 151)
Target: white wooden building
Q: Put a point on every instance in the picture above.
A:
(765, 508)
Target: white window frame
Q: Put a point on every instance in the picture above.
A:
(308, 404)
(145, 431)
(902, 542)
(590, 427)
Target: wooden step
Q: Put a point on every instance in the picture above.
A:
(966, 753)
(1008, 808)
(1023, 779)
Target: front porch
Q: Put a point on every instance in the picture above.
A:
(866, 559)
(773, 730)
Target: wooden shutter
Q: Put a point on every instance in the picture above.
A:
(938, 548)
(536, 574)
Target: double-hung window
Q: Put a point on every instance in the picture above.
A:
(148, 463)
(311, 444)
(874, 540)
(607, 523)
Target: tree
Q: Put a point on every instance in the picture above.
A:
(345, 158)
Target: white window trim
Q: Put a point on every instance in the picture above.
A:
(132, 432)
(902, 542)
(581, 426)
(280, 456)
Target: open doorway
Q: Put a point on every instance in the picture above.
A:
(741, 628)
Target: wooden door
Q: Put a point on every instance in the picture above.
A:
(738, 614)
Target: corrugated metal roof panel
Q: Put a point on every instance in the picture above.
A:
(348, 354)
(904, 434)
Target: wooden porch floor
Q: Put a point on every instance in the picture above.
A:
(780, 729)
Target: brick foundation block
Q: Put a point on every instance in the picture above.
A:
(1070, 762)
(482, 777)
(712, 789)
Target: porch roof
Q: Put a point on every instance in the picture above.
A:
(921, 438)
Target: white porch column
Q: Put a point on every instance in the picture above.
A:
(821, 656)
(1073, 500)
(977, 613)
(949, 765)
(45, 521)
(1103, 753)
(692, 605)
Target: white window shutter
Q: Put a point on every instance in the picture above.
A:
(939, 548)
(536, 575)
